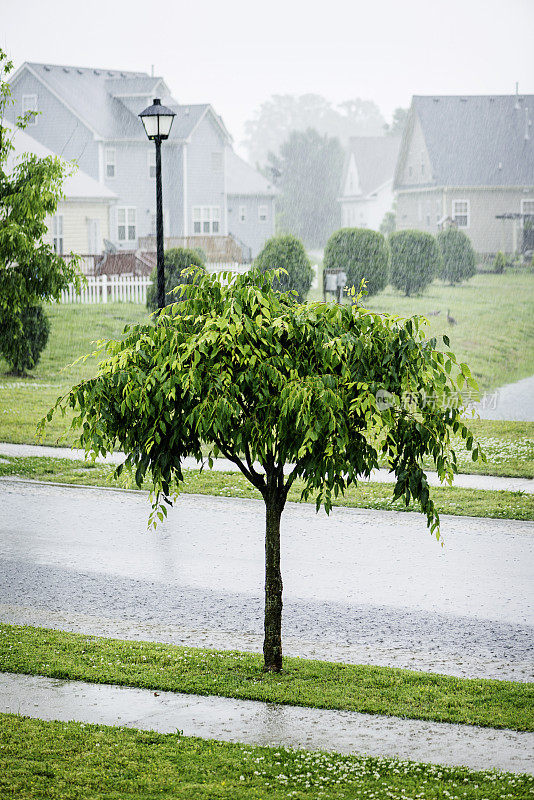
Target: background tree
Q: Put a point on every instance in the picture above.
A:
(398, 122)
(310, 167)
(458, 256)
(363, 254)
(281, 115)
(389, 223)
(178, 263)
(248, 373)
(30, 271)
(415, 260)
(288, 253)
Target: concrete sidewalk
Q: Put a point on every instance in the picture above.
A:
(253, 722)
(223, 465)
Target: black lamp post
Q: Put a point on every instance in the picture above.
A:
(157, 120)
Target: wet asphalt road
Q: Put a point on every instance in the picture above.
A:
(358, 586)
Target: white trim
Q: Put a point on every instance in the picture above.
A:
(207, 215)
(466, 214)
(127, 223)
(185, 187)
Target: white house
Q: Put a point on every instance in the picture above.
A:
(367, 183)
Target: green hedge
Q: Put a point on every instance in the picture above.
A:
(287, 252)
(459, 263)
(415, 260)
(363, 254)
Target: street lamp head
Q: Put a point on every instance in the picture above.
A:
(157, 120)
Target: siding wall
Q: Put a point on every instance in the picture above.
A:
(76, 216)
(417, 159)
(252, 231)
(205, 186)
(487, 234)
(369, 211)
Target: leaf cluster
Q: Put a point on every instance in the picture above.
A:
(363, 254)
(287, 253)
(267, 382)
(415, 260)
(458, 256)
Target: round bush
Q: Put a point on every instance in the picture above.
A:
(458, 256)
(177, 259)
(415, 260)
(23, 338)
(363, 254)
(287, 252)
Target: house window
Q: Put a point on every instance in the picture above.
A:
(460, 213)
(527, 211)
(126, 224)
(206, 219)
(242, 213)
(262, 213)
(29, 104)
(166, 224)
(110, 162)
(57, 234)
(151, 162)
(217, 162)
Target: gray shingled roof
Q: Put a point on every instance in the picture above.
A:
(375, 158)
(478, 140)
(242, 179)
(94, 95)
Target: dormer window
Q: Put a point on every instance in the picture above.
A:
(29, 106)
(110, 162)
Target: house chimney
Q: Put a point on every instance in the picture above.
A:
(517, 103)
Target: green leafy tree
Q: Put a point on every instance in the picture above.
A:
(287, 253)
(389, 223)
(458, 256)
(415, 260)
(178, 263)
(363, 254)
(270, 384)
(30, 271)
(309, 166)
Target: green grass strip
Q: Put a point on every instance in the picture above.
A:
(317, 684)
(73, 760)
(464, 502)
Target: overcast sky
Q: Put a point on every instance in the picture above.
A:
(237, 54)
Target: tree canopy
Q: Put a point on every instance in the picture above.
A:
(363, 254)
(310, 167)
(30, 270)
(284, 390)
(281, 115)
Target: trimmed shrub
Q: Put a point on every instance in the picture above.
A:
(500, 262)
(415, 260)
(459, 263)
(177, 259)
(287, 252)
(23, 338)
(363, 254)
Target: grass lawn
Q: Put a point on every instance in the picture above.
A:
(495, 324)
(24, 401)
(464, 502)
(317, 684)
(72, 760)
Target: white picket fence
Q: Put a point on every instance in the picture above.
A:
(109, 288)
(126, 288)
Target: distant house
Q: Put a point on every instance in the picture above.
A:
(91, 115)
(81, 221)
(469, 161)
(367, 183)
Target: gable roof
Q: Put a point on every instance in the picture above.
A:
(243, 179)
(96, 96)
(475, 140)
(375, 158)
(78, 186)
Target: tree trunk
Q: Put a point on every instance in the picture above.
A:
(272, 645)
